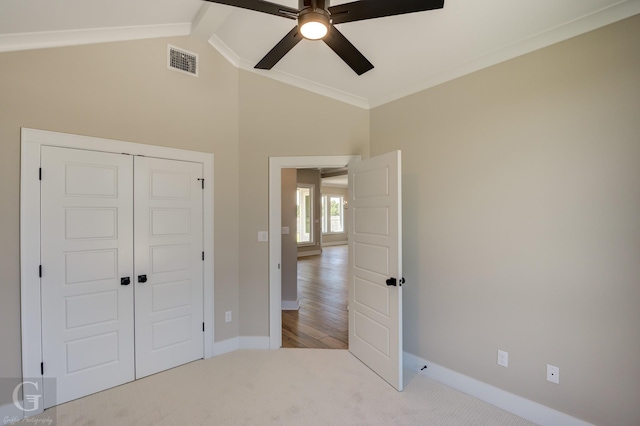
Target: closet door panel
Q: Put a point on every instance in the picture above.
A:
(86, 251)
(168, 268)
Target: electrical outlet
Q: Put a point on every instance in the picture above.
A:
(503, 358)
(553, 374)
(227, 316)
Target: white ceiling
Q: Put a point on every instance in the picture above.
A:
(410, 52)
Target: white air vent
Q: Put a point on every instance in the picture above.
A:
(181, 60)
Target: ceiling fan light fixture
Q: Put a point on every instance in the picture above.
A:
(313, 30)
(313, 24)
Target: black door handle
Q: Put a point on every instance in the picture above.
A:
(394, 282)
(125, 281)
(142, 278)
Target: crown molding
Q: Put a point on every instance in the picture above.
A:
(225, 50)
(47, 39)
(309, 85)
(593, 21)
(286, 78)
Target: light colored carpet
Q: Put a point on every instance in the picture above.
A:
(283, 387)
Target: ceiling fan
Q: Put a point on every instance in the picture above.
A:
(316, 20)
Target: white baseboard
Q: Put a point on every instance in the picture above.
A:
(241, 342)
(291, 305)
(335, 243)
(9, 413)
(226, 346)
(527, 409)
(309, 253)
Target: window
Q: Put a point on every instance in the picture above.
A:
(332, 214)
(304, 215)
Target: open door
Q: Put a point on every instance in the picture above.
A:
(375, 265)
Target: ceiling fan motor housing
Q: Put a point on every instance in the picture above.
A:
(313, 4)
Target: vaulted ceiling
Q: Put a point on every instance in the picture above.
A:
(410, 52)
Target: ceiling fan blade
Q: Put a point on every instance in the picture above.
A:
(279, 50)
(347, 51)
(369, 9)
(262, 6)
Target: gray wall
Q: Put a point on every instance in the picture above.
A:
(289, 258)
(521, 198)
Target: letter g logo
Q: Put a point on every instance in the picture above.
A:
(32, 398)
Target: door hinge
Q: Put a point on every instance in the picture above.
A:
(202, 255)
(202, 326)
(40, 271)
(201, 181)
(42, 368)
(40, 173)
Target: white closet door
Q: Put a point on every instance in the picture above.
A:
(169, 267)
(87, 248)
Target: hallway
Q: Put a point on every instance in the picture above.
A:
(322, 320)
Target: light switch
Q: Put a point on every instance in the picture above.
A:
(263, 236)
(285, 230)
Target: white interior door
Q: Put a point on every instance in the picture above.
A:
(375, 262)
(169, 264)
(87, 249)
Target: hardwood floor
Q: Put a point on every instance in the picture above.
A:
(322, 321)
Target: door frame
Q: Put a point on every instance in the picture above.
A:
(30, 298)
(276, 164)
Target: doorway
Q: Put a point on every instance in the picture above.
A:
(322, 320)
(276, 164)
(375, 258)
(314, 259)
